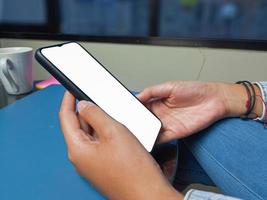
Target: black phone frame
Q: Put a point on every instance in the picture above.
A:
(67, 83)
(60, 76)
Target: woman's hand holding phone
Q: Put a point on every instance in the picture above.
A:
(187, 107)
(108, 155)
(86, 78)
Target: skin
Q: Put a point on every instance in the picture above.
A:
(108, 155)
(185, 108)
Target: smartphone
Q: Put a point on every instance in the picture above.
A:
(87, 79)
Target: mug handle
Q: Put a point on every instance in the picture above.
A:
(6, 65)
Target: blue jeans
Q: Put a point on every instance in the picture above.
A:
(231, 154)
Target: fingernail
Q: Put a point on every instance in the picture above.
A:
(82, 104)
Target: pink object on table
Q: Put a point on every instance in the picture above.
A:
(46, 83)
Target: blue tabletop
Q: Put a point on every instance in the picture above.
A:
(33, 156)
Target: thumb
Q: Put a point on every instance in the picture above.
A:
(95, 117)
(156, 92)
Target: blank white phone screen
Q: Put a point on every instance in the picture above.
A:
(108, 93)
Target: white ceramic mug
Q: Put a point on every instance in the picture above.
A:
(16, 69)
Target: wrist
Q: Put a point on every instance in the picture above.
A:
(236, 97)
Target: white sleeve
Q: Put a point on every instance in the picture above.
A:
(201, 195)
(263, 88)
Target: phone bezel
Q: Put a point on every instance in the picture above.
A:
(68, 84)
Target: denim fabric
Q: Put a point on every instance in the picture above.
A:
(188, 170)
(232, 154)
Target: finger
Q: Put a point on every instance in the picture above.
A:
(95, 117)
(84, 126)
(68, 102)
(87, 129)
(157, 91)
(69, 121)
